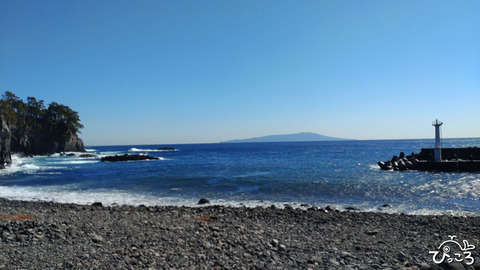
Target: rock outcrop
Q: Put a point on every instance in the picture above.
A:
(167, 149)
(5, 139)
(34, 143)
(128, 157)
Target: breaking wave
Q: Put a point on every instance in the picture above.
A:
(149, 150)
(18, 165)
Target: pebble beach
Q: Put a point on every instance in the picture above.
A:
(46, 235)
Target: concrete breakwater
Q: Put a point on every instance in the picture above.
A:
(453, 160)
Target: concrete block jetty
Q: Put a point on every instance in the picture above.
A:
(436, 159)
(453, 160)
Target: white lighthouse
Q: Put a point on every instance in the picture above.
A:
(437, 151)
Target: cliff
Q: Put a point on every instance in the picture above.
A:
(34, 143)
(5, 139)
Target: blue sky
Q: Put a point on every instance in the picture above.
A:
(161, 72)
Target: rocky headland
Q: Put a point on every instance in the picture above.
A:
(45, 235)
(30, 128)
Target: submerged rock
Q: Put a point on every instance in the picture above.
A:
(203, 201)
(88, 156)
(128, 157)
(330, 208)
(167, 148)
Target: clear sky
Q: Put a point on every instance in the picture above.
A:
(161, 72)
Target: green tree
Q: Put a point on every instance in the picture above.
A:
(12, 108)
(35, 112)
(33, 116)
(63, 119)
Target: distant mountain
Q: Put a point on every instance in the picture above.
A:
(298, 137)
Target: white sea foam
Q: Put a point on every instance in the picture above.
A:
(148, 150)
(110, 153)
(63, 194)
(374, 167)
(91, 150)
(76, 161)
(18, 165)
(69, 194)
(38, 164)
(52, 167)
(406, 209)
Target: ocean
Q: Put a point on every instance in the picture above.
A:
(301, 174)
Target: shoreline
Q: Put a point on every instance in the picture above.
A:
(116, 199)
(61, 236)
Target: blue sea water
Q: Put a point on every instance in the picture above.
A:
(337, 173)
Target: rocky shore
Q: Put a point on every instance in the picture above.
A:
(44, 235)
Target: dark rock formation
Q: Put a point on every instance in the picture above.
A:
(72, 144)
(5, 138)
(88, 156)
(34, 143)
(203, 201)
(167, 148)
(128, 157)
(330, 208)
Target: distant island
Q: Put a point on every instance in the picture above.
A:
(297, 137)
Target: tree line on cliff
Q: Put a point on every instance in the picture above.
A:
(32, 128)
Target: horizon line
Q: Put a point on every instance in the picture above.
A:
(226, 142)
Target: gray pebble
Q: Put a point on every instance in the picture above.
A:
(67, 236)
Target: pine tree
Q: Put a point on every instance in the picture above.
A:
(33, 116)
